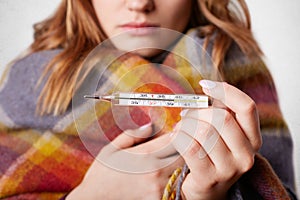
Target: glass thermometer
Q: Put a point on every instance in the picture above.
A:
(152, 99)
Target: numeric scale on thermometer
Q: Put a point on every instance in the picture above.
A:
(152, 99)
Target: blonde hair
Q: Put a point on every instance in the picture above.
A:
(75, 29)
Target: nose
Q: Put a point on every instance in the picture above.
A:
(140, 5)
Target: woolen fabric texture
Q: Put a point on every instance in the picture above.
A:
(44, 157)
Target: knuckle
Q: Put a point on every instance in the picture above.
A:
(209, 186)
(226, 171)
(226, 174)
(203, 131)
(227, 117)
(193, 149)
(247, 164)
(226, 86)
(204, 128)
(251, 107)
(155, 175)
(257, 144)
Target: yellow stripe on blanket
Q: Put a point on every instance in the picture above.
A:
(47, 144)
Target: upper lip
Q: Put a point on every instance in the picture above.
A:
(139, 24)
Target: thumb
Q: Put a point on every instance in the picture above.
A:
(131, 137)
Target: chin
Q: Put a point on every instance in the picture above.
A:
(146, 45)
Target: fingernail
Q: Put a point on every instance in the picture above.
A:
(145, 126)
(183, 112)
(207, 84)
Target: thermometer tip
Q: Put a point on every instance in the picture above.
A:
(91, 97)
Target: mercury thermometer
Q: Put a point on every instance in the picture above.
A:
(152, 99)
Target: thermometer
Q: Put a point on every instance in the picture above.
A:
(152, 99)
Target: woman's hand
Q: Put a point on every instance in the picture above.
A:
(219, 143)
(129, 169)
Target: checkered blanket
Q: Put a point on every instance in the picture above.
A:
(46, 157)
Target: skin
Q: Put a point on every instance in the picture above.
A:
(215, 170)
(126, 185)
(215, 167)
(142, 21)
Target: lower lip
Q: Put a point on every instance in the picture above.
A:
(140, 31)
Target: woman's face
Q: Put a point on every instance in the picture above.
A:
(139, 20)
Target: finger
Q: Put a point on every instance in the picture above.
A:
(193, 154)
(160, 147)
(202, 132)
(225, 125)
(219, 153)
(219, 104)
(146, 156)
(241, 104)
(171, 164)
(225, 150)
(131, 137)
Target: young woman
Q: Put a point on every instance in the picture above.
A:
(43, 157)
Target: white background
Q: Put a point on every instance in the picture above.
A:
(276, 26)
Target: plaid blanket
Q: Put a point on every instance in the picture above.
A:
(46, 157)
